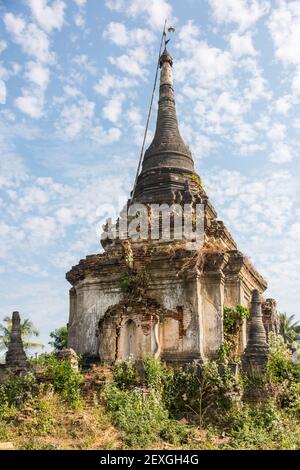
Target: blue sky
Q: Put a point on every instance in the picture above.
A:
(75, 84)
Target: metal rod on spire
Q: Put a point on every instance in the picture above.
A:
(163, 38)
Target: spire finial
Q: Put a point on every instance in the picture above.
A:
(171, 29)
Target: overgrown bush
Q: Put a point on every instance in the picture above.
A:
(233, 318)
(149, 372)
(202, 391)
(260, 427)
(284, 375)
(280, 366)
(142, 416)
(141, 412)
(64, 379)
(15, 391)
(125, 374)
(133, 283)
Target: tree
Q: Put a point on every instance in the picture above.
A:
(60, 338)
(27, 331)
(289, 329)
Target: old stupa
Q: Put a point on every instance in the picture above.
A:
(152, 296)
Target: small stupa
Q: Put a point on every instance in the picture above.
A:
(16, 359)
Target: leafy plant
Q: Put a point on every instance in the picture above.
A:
(142, 416)
(133, 283)
(125, 374)
(60, 338)
(16, 390)
(280, 366)
(288, 328)
(232, 320)
(63, 377)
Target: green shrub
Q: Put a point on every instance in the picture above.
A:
(260, 427)
(156, 374)
(64, 379)
(202, 391)
(150, 371)
(142, 418)
(141, 413)
(125, 374)
(280, 366)
(232, 320)
(284, 375)
(15, 391)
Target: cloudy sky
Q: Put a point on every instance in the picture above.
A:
(75, 84)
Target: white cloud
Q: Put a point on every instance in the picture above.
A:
(283, 104)
(38, 74)
(40, 230)
(153, 11)
(228, 105)
(33, 197)
(3, 45)
(296, 82)
(113, 108)
(2, 92)
(79, 17)
(241, 44)
(209, 65)
(48, 17)
(109, 82)
(134, 116)
(75, 118)
(277, 131)
(12, 169)
(244, 13)
(121, 36)
(258, 85)
(86, 64)
(31, 103)
(71, 91)
(32, 39)
(284, 26)
(103, 137)
(282, 153)
(79, 20)
(65, 216)
(6, 73)
(133, 62)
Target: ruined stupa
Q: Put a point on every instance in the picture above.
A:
(15, 359)
(257, 349)
(154, 296)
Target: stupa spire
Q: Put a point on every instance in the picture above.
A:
(167, 147)
(167, 156)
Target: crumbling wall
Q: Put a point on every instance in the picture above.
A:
(88, 304)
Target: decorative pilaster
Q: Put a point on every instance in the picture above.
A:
(212, 293)
(16, 359)
(257, 349)
(234, 292)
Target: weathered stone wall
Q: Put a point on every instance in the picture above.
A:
(89, 301)
(212, 302)
(187, 320)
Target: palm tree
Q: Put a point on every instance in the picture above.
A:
(27, 331)
(289, 329)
